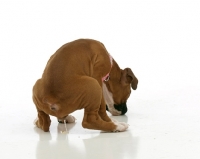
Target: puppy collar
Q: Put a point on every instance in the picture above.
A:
(107, 76)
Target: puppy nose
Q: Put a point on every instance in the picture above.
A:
(121, 107)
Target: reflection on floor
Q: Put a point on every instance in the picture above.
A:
(162, 125)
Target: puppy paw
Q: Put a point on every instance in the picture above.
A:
(70, 119)
(67, 119)
(121, 126)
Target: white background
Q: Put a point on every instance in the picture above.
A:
(158, 39)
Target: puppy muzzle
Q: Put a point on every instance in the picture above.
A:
(120, 107)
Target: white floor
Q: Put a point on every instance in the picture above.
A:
(159, 40)
(163, 127)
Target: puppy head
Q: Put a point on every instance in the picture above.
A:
(119, 87)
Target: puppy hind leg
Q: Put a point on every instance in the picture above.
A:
(92, 119)
(92, 100)
(43, 121)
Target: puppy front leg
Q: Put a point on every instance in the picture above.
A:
(43, 121)
(102, 111)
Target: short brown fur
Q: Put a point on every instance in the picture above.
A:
(72, 80)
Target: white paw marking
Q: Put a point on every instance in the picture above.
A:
(121, 126)
(108, 97)
(70, 119)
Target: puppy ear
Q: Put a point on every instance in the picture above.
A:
(128, 77)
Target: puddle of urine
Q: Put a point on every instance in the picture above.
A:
(65, 131)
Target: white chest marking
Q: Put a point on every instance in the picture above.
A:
(108, 97)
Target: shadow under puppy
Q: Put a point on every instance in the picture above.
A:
(82, 75)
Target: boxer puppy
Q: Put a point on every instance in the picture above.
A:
(82, 75)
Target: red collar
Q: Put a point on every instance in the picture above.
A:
(107, 76)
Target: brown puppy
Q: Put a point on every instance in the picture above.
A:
(77, 77)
